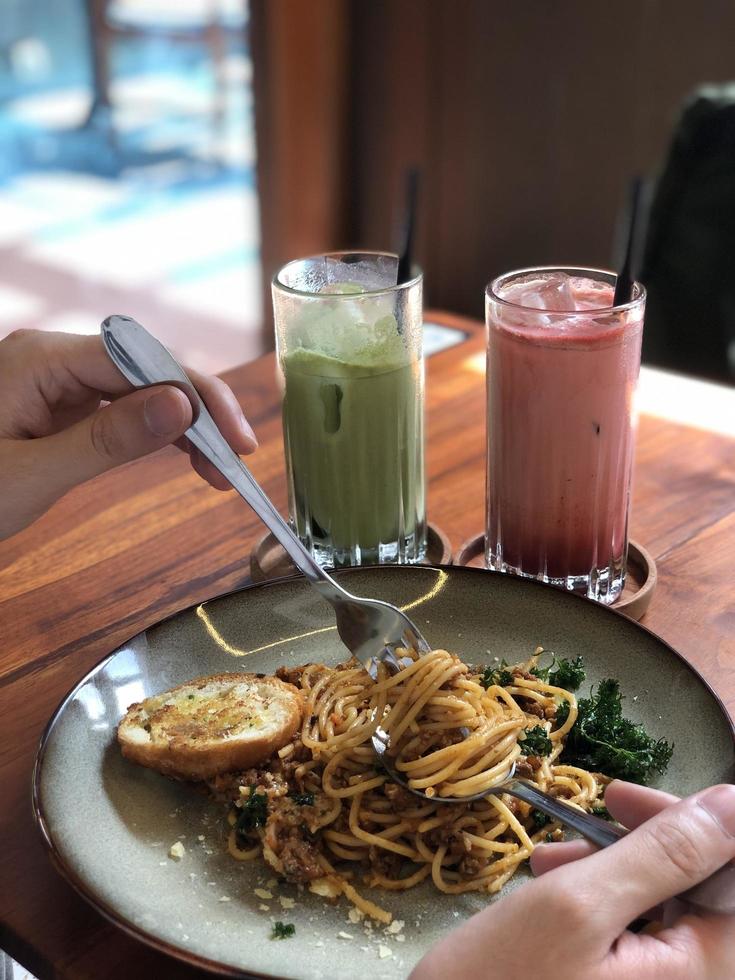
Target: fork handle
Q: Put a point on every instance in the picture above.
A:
(144, 361)
(600, 832)
(714, 894)
(205, 435)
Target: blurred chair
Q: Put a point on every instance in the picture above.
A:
(201, 22)
(688, 262)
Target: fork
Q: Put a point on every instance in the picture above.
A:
(372, 630)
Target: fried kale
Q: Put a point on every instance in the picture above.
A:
(602, 740)
(568, 674)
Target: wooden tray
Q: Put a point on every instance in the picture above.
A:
(640, 579)
(268, 560)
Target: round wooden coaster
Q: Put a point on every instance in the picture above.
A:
(640, 578)
(268, 559)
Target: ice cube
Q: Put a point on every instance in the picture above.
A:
(532, 299)
(343, 288)
(555, 294)
(591, 294)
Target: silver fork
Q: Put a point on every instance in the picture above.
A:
(370, 629)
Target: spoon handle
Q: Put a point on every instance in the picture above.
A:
(600, 832)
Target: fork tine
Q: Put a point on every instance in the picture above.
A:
(390, 658)
(415, 640)
(373, 628)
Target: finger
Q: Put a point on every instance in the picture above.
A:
(208, 472)
(632, 805)
(696, 946)
(226, 412)
(87, 361)
(140, 423)
(202, 466)
(673, 851)
(546, 857)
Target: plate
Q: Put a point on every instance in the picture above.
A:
(203, 908)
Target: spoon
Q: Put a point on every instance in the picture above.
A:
(714, 894)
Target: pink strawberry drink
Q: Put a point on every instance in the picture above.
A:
(562, 372)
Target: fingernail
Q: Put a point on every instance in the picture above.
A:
(246, 428)
(719, 802)
(163, 414)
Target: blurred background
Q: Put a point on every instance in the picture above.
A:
(127, 179)
(162, 158)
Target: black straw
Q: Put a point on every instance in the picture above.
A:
(405, 259)
(626, 277)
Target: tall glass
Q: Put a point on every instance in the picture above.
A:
(562, 372)
(349, 345)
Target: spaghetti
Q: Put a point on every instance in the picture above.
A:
(323, 811)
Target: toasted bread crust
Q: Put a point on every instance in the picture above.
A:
(221, 723)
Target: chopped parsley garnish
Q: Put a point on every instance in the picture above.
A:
(549, 838)
(539, 819)
(602, 740)
(497, 675)
(253, 812)
(306, 833)
(602, 812)
(562, 713)
(535, 741)
(303, 799)
(568, 674)
(283, 930)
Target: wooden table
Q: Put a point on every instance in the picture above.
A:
(138, 544)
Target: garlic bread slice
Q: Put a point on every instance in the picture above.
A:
(211, 725)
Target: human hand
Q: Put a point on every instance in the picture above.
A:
(572, 921)
(56, 431)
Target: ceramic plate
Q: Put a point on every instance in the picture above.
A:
(203, 908)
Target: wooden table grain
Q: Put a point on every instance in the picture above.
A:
(138, 544)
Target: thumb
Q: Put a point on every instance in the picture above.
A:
(128, 428)
(668, 854)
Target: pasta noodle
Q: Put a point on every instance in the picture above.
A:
(328, 813)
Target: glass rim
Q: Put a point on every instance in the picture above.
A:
(383, 291)
(637, 301)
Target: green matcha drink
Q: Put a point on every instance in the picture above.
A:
(353, 420)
